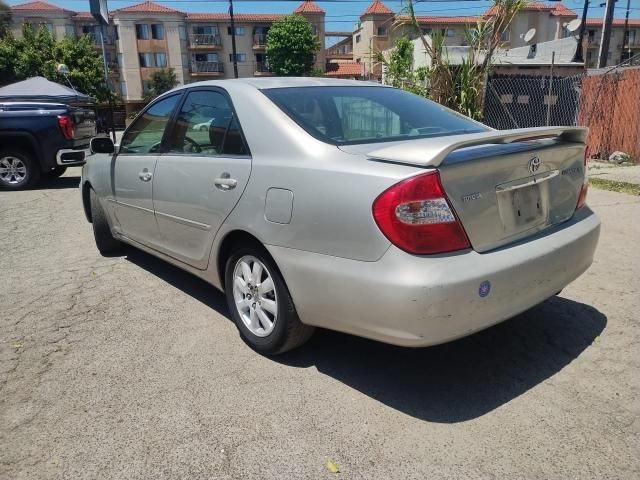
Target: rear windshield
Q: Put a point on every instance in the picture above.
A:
(352, 115)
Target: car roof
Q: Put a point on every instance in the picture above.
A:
(263, 83)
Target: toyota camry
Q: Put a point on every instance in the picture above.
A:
(345, 205)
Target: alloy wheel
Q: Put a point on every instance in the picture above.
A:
(13, 171)
(255, 295)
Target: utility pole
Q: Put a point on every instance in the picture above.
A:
(233, 41)
(606, 34)
(627, 33)
(579, 56)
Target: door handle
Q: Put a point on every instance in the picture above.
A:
(145, 175)
(225, 182)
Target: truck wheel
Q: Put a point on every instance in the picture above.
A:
(56, 172)
(101, 232)
(260, 303)
(18, 169)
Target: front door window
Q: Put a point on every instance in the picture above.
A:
(145, 134)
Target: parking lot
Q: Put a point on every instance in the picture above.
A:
(126, 367)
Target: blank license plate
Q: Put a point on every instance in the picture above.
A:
(527, 205)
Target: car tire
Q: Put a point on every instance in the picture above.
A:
(56, 172)
(101, 232)
(203, 129)
(18, 169)
(287, 331)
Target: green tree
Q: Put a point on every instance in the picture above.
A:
(161, 81)
(291, 46)
(457, 86)
(38, 53)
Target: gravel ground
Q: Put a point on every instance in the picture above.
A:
(126, 367)
(630, 174)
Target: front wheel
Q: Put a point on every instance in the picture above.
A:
(260, 303)
(101, 232)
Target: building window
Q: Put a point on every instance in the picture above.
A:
(357, 38)
(205, 57)
(116, 32)
(182, 32)
(157, 31)
(207, 30)
(426, 31)
(448, 32)
(240, 57)
(146, 60)
(120, 64)
(239, 31)
(382, 31)
(161, 60)
(506, 35)
(70, 31)
(142, 32)
(123, 89)
(37, 26)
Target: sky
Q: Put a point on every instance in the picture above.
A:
(341, 15)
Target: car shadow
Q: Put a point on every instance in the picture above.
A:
(57, 183)
(448, 383)
(189, 284)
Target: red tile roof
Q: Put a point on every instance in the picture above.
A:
(39, 7)
(238, 17)
(556, 10)
(617, 22)
(377, 8)
(308, 6)
(448, 20)
(146, 7)
(344, 69)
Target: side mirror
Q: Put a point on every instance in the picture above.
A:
(102, 145)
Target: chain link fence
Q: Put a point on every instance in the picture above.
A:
(607, 101)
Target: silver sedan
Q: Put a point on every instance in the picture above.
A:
(345, 205)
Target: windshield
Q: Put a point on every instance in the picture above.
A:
(352, 115)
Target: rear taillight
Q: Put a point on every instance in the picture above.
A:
(66, 126)
(416, 216)
(582, 196)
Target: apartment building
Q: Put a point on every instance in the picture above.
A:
(379, 28)
(144, 37)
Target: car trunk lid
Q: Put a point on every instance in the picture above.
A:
(503, 185)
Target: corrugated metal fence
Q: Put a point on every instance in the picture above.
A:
(610, 107)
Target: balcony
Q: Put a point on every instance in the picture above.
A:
(95, 38)
(207, 68)
(262, 69)
(634, 43)
(259, 41)
(206, 40)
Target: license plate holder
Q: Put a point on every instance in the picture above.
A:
(522, 206)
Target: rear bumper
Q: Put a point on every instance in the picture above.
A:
(419, 301)
(72, 156)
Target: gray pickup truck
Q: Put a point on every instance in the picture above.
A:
(41, 140)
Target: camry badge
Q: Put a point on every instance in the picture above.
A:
(534, 164)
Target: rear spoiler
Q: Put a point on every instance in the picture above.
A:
(432, 151)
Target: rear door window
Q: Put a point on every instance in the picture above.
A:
(206, 125)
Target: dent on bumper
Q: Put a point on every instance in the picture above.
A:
(419, 301)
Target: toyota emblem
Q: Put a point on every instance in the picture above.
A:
(534, 164)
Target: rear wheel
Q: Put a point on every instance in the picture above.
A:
(18, 169)
(101, 232)
(56, 172)
(260, 302)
